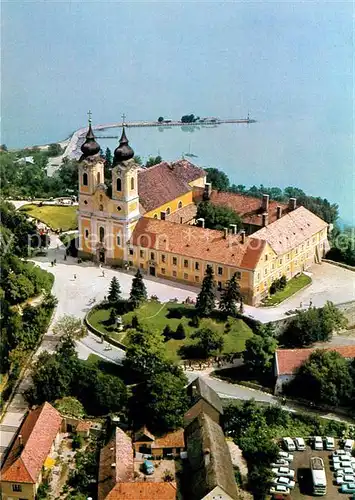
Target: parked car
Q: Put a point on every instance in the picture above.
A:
(286, 456)
(148, 467)
(283, 471)
(347, 470)
(345, 479)
(348, 488)
(280, 462)
(300, 444)
(280, 488)
(288, 443)
(338, 453)
(286, 481)
(318, 443)
(339, 473)
(329, 443)
(349, 445)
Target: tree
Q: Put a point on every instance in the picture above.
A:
(135, 322)
(112, 318)
(108, 157)
(209, 342)
(217, 217)
(188, 118)
(167, 333)
(19, 288)
(70, 406)
(230, 296)
(69, 328)
(162, 401)
(259, 353)
(114, 293)
(161, 119)
(206, 299)
(325, 377)
(145, 355)
(138, 160)
(180, 332)
(54, 150)
(218, 179)
(138, 290)
(153, 160)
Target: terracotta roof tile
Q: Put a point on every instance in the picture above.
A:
(143, 434)
(38, 431)
(187, 214)
(288, 360)
(166, 182)
(170, 440)
(291, 230)
(83, 425)
(143, 491)
(247, 206)
(118, 451)
(197, 242)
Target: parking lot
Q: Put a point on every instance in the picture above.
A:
(304, 488)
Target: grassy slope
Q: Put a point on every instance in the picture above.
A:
(153, 317)
(57, 217)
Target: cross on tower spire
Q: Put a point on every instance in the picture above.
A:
(123, 119)
(89, 115)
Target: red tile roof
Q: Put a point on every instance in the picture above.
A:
(291, 230)
(116, 463)
(143, 491)
(166, 182)
(83, 425)
(170, 440)
(38, 431)
(198, 243)
(248, 207)
(288, 360)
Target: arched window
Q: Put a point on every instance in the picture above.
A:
(167, 211)
(180, 204)
(132, 183)
(98, 178)
(155, 216)
(102, 234)
(118, 184)
(101, 208)
(119, 240)
(85, 179)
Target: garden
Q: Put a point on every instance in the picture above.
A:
(56, 217)
(281, 290)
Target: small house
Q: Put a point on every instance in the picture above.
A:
(171, 443)
(202, 398)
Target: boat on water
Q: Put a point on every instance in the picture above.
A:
(189, 154)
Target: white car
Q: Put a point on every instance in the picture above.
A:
(347, 470)
(286, 456)
(338, 453)
(329, 443)
(345, 479)
(345, 458)
(289, 444)
(349, 445)
(279, 488)
(300, 444)
(283, 471)
(286, 481)
(318, 443)
(279, 463)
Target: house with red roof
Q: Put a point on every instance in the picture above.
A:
(288, 360)
(37, 438)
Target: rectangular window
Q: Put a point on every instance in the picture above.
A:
(174, 261)
(186, 276)
(273, 266)
(118, 240)
(258, 276)
(265, 271)
(239, 275)
(186, 263)
(16, 487)
(141, 254)
(197, 266)
(174, 274)
(141, 265)
(163, 259)
(131, 251)
(130, 263)
(288, 256)
(197, 278)
(152, 256)
(280, 262)
(266, 257)
(86, 233)
(220, 271)
(163, 270)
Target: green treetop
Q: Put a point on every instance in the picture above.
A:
(209, 342)
(114, 293)
(206, 299)
(230, 296)
(138, 291)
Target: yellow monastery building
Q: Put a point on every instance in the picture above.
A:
(147, 221)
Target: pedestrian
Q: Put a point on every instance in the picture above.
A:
(55, 262)
(103, 273)
(301, 304)
(75, 276)
(310, 303)
(52, 263)
(65, 256)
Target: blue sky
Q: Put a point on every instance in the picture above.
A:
(279, 60)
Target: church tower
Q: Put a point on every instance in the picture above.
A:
(124, 195)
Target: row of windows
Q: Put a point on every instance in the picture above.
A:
(168, 210)
(98, 180)
(119, 184)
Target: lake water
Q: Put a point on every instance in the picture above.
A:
(258, 153)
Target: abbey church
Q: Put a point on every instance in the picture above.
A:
(147, 220)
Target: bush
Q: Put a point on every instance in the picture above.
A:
(180, 332)
(77, 442)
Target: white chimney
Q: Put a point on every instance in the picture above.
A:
(208, 188)
(234, 228)
(292, 203)
(265, 220)
(201, 222)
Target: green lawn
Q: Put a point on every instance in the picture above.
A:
(154, 316)
(57, 217)
(292, 287)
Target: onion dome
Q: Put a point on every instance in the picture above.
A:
(90, 146)
(124, 151)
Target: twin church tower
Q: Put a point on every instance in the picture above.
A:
(107, 220)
